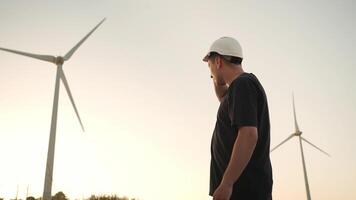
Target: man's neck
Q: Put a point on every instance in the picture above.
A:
(233, 74)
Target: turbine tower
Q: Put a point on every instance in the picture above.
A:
(58, 61)
(298, 134)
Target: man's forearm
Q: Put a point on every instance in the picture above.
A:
(220, 90)
(241, 154)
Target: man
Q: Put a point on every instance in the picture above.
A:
(240, 166)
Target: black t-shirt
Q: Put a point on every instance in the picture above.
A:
(245, 104)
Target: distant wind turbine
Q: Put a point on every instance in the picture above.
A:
(27, 192)
(298, 133)
(59, 61)
(17, 191)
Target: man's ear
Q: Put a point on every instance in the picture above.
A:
(218, 62)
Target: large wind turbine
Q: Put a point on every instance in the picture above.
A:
(298, 134)
(59, 61)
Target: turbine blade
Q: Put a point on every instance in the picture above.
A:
(289, 137)
(47, 58)
(295, 118)
(315, 146)
(65, 82)
(71, 52)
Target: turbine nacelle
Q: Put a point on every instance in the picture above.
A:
(59, 60)
(298, 133)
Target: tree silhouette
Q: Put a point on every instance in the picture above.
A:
(59, 196)
(30, 198)
(107, 197)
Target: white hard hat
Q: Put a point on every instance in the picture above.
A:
(226, 46)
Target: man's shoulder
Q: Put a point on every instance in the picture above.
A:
(245, 80)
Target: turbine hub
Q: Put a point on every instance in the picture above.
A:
(298, 133)
(59, 60)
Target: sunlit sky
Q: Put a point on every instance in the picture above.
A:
(147, 102)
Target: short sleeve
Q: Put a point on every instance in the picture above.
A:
(242, 103)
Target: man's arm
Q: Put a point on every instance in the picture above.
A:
(244, 146)
(220, 90)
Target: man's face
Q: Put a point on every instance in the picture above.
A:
(215, 69)
(212, 67)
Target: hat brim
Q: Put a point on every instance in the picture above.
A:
(206, 58)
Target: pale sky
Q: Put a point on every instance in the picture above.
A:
(147, 102)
